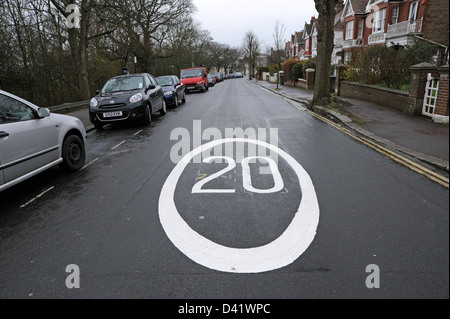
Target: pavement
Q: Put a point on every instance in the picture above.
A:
(415, 136)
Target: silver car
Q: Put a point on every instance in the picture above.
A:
(33, 140)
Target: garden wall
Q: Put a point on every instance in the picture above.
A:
(396, 99)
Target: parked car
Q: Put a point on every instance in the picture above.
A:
(195, 79)
(126, 98)
(33, 140)
(211, 80)
(174, 90)
(219, 77)
(239, 75)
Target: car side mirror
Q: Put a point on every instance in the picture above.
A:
(151, 87)
(43, 112)
(97, 92)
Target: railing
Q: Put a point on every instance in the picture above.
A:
(376, 38)
(66, 107)
(352, 43)
(404, 28)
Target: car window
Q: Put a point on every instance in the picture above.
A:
(165, 81)
(12, 110)
(152, 79)
(129, 83)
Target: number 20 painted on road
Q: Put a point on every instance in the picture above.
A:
(284, 250)
(247, 179)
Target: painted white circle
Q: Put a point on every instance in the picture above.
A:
(279, 253)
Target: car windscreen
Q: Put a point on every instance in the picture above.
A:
(129, 83)
(195, 73)
(164, 81)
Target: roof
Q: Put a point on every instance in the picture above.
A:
(359, 6)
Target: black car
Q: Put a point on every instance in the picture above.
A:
(174, 90)
(126, 98)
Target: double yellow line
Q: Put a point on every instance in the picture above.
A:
(444, 181)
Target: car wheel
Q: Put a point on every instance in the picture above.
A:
(73, 154)
(147, 115)
(177, 104)
(184, 98)
(163, 111)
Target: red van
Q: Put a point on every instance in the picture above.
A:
(195, 79)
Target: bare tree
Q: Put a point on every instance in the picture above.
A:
(250, 49)
(325, 45)
(277, 53)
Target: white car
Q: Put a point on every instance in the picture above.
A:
(33, 140)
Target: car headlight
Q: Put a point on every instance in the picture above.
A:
(94, 102)
(200, 83)
(136, 98)
(168, 93)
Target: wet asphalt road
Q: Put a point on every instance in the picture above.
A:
(106, 218)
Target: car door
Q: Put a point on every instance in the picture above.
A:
(27, 142)
(159, 93)
(154, 94)
(179, 87)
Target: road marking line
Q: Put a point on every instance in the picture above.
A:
(87, 165)
(284, 250)
(38, 196)
(118, 145)
(137, 133)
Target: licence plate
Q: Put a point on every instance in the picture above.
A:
(113, 114)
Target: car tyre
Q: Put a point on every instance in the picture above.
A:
(184, 98)
(177, 104)
(147, 115)
(73, 154)
(98, 126)
(163, 110)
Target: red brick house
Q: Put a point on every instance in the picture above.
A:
(386, 22)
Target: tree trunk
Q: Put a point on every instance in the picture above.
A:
(325, 45)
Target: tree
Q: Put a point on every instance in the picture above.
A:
(325, 45)
(250, 49)
(277, 53)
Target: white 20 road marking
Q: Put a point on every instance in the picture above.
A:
(281, 252)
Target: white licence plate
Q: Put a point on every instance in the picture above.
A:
(113, 114)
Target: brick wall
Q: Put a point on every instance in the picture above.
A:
(443, 96)
(383, 96)
(436, 22)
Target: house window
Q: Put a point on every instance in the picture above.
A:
(413, 11)
(361, 28)
(349, 30)
(307, 44)
(395, 12)
(379, 19)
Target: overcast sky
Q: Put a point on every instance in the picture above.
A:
(229, 20)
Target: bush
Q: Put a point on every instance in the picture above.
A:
(389, 66)
(297, 71)
(287, 68)
(274, 69)
(309, 64)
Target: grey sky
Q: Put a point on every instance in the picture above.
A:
(229, 20)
